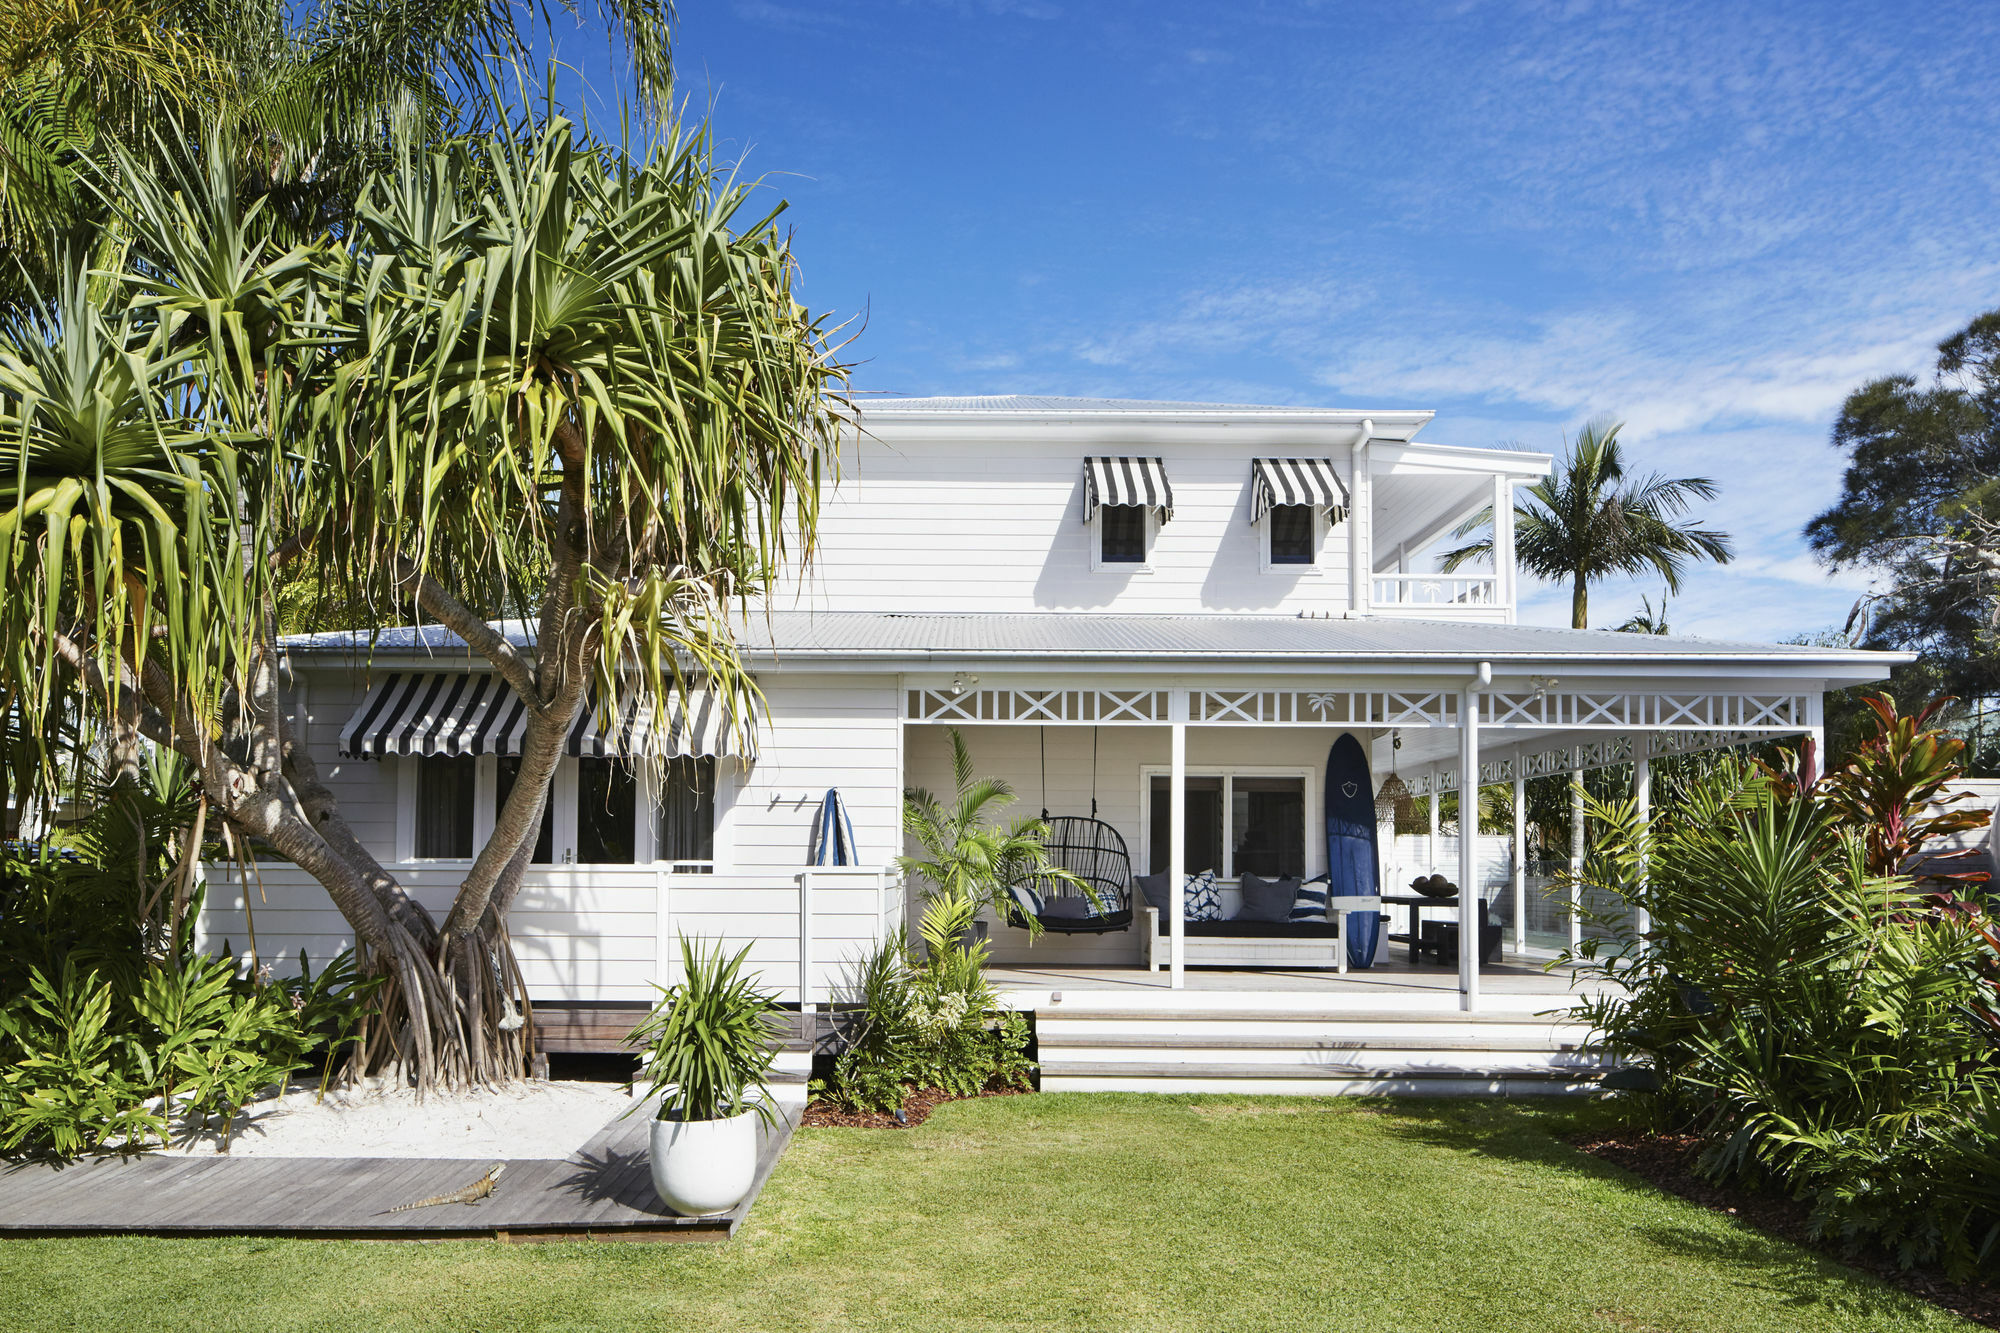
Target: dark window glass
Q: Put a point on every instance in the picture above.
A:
(687, 811)
(545, 842)
(1291, 536)
(1267, 826)
(607, 796)
(1123, 534)
(444, 808)
(1204, 825)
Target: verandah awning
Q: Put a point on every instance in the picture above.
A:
(1126, 481)
(475, 712)
(1296, 481)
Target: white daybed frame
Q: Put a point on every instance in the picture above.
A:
(1222, 951)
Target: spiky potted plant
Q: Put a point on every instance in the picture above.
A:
(708, 1046)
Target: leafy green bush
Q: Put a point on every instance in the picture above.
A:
(926, 1022)
(114, 1031)
(1815, 1024)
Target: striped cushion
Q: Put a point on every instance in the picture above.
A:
(1310, 905)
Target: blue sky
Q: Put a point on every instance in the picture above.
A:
(1711, 220)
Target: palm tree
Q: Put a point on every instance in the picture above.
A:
(1646, 620)
(1587, 522)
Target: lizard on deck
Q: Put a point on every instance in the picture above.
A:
(471, 1194)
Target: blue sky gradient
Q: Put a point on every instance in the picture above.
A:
(1711, 220)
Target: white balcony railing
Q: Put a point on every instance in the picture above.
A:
(1436, 590)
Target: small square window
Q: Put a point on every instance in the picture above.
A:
(686, 828)
(1122, 534)
(607, 795)
(444, 808)
(1291, 534)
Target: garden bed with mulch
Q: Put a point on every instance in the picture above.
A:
(822, 1113)
(1663, 1160)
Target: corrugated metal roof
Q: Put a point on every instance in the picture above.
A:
(1043, 403)
(1085, 636)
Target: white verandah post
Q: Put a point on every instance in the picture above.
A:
(1576, 851)
(1520, 856)
(1431, 836)
(1642, 802)
(1177, 713)
(1471, 910)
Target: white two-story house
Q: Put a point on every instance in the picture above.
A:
(1118, 603)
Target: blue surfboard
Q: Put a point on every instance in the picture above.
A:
(1350, 841)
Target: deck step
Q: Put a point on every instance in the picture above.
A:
(1055, 1039)
(1168, 1069)
(1066, 1012)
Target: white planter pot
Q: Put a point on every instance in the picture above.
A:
(704, 1166)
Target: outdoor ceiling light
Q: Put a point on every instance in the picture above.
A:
(960, 680)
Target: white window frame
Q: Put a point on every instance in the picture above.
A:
(1266, 564)
(1099, 565)
(407, 768)
(1229, 773)
(563, 828)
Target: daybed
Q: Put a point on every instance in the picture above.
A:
(1313, 932)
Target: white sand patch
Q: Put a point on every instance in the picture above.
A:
(529, 1120)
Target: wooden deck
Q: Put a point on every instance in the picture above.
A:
(603, 1191)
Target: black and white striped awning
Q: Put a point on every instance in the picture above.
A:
(469, 713)
(1126, 481)
(1296, 481)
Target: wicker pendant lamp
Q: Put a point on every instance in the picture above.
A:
(1394, 804)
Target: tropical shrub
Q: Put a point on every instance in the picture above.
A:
(964, 856)
(1813, 1022)
(710, 1040)
(931, 1021)
(114, 1031)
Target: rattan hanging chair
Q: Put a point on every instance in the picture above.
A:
(1095, 853)
(1099, 897)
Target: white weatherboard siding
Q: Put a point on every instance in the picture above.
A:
(1124, 757)
(595, 933)
(995, 524)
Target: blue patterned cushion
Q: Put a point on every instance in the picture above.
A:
(1310, 905)
(1026, 899)
(1203, 899)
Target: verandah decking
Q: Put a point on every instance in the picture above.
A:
(602, 1191)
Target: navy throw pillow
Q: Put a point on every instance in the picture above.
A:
(1266, 899)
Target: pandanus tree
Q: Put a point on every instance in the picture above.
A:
(535, 377)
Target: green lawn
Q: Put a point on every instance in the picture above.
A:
(1056, 1212)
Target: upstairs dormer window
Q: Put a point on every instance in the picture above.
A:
(1125, 501)
(1293, 501)
(1293, 535)
(1121, 535)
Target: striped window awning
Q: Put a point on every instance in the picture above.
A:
(1126, 481)
(1296, 481)
(475, 712)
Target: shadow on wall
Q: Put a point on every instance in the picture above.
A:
(1067, 582)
